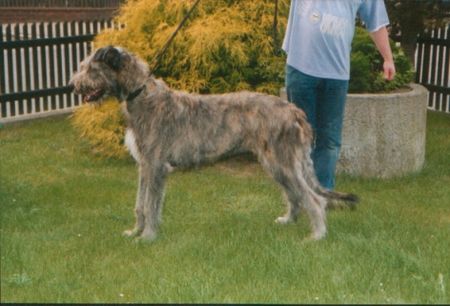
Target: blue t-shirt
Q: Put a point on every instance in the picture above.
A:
(319, 34)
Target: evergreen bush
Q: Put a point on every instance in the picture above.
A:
(366, 74)
(227, 45)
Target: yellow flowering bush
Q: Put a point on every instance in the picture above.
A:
(225, 45)
(103, 126)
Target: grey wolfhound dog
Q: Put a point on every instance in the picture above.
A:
(170, 129)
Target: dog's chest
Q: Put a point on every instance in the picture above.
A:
(130, 143)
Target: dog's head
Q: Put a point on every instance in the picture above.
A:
(108, 71)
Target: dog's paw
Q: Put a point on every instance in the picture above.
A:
(284, 220)
(130, 233)
(315, 236)
(146, 237)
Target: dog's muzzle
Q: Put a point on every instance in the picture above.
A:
(93, 95)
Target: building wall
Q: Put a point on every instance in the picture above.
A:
(18, 14)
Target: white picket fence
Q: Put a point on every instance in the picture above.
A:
(36, 62)
(433, 66)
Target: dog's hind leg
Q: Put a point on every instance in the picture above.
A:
(299, 193)
(314, 205)
(293, 208)
(283, 178)
(313, 202)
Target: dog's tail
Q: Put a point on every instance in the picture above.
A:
(350, 199)
(333, 197)
(307, 168)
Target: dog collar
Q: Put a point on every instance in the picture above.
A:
(135, 93)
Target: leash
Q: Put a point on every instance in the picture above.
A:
(276, 48)
(155, 62)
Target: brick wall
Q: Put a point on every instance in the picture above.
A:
(16, 14)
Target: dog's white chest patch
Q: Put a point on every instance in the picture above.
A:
(130, 143)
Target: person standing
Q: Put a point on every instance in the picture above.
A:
(318, 44)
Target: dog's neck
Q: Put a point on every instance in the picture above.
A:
(151, 85)
(140, 87)
(132, 95)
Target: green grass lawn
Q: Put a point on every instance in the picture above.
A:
(63, 212)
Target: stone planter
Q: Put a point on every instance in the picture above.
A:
(384, 134)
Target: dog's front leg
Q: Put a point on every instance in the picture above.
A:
(153, 185)
(139, 208)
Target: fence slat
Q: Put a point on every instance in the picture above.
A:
(74, 60)
(9, 66)
(446, 72)
(51, 58)
(43, 67)
(27, 62)
(34, 79)
(67, 71)
(2, 74)
(60, 66)
(19, 67)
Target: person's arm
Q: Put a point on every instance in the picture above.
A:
(381, 40)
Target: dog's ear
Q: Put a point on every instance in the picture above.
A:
(110, 56)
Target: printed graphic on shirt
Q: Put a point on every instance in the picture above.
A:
(329, 24)
(335, 26)
(314, 17)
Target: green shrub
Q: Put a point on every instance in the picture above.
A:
(366, 73)
(227, 45)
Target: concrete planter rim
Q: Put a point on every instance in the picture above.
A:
(414, 89)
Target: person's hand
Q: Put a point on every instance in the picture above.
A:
(389, 70)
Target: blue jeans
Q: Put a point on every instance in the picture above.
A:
(323, 101)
